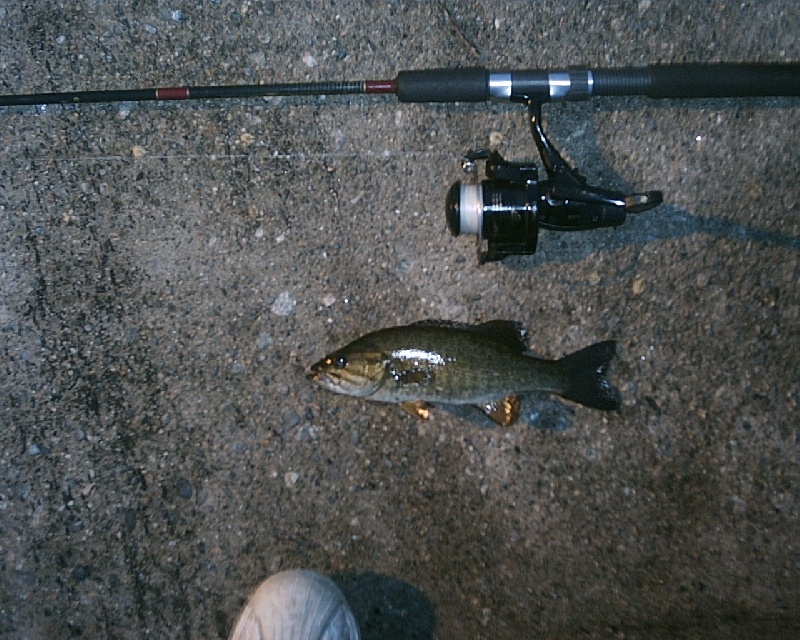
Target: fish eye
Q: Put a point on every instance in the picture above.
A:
(340, 362)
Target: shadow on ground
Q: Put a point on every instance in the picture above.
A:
(387, 608)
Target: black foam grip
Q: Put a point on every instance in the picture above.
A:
(443, 85)
(723, 80)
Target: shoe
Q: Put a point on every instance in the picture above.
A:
(296, 605)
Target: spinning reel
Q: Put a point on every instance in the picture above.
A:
(507, 209)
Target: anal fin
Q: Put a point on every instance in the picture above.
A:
(504, 411)
(417, 408)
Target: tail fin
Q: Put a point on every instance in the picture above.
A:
(586, 377)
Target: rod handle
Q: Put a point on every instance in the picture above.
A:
(721, 80)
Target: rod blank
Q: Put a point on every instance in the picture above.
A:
(189, 93)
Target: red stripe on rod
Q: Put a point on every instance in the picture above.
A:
(380, 86)
(172, 93)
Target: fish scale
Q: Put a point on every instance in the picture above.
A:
(464, 367)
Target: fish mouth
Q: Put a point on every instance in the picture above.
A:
(333, 381)
(319, 375)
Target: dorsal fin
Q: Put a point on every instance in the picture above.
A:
(447, 324)
(507, 332)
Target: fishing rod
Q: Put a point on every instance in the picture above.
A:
(506, 210)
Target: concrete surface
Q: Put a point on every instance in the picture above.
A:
(168, 273)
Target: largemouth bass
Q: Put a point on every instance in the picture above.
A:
(485, 365)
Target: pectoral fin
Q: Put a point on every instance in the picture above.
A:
(411, 376)
(504, 411)
(416, 408)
